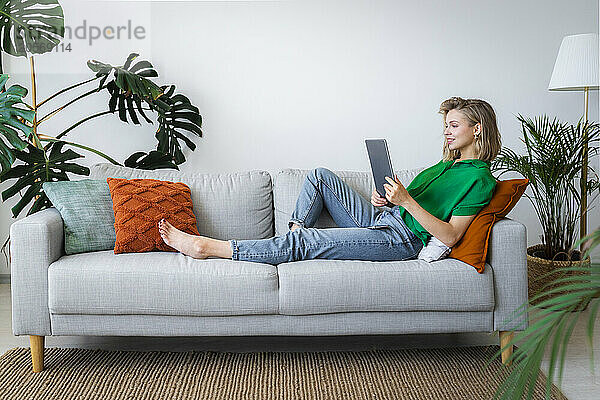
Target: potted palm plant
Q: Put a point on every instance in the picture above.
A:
(554, 159)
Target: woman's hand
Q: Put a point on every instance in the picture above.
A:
(377, 200)
(395, 192)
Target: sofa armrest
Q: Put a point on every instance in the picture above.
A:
(36, 241)
(507, 254)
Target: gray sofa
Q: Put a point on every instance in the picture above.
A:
(168, 294)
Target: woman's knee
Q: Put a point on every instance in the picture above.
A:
(295, 241)
(321, 173)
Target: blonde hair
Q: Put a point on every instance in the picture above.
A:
(488, 143)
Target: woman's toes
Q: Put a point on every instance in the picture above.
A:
(163, 233)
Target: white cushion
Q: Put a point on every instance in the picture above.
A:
(435, 250)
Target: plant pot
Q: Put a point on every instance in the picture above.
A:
(538, 267)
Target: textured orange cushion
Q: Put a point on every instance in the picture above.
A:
(139, 204)
(472, 247)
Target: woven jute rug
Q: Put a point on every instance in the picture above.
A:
(441, 373)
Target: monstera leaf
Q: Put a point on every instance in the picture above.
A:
(128, 80)
(11, 122)
(179, 115)
(153, 160)
(131, 89)
(126, 104)
(37, 169)
(31, 26)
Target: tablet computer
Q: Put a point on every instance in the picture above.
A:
(381, 164)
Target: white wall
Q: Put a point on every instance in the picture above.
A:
(301, 83)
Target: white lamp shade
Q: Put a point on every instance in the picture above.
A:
(576, 65)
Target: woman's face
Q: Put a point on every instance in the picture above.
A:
(458, 134)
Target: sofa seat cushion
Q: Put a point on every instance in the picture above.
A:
(160, 283)
(334, 286)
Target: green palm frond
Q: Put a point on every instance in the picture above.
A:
(558, 317)
(552, 163)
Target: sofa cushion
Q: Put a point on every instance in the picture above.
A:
(472, 247)
(159, 283)
(334, 286)
(237, 205)
(288, 183)
(86, 209)
(139, 205)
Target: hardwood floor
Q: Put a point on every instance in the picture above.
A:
(578, 381)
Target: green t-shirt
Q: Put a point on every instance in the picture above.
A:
(446, 189)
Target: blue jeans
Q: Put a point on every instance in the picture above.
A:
(364, 233)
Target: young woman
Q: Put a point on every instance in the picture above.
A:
(441, 201)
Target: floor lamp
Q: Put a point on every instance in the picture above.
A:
(576, 69)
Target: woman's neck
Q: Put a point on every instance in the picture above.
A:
(466, 156)
(462, 159)
(467, 153)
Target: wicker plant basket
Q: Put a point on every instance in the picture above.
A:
(538, 267)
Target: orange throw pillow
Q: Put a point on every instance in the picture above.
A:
(472, 247)
(139, 204)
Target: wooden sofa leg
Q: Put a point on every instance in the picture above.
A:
(505, 338)
(37, 352)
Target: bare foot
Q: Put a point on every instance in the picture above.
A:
(190, 245)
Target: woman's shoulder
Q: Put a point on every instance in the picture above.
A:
(481, 173)
(485, 178)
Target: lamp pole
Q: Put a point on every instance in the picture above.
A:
(583, 182)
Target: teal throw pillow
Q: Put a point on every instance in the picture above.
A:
(87, 212)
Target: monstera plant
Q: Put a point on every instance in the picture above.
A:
(35, 27)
